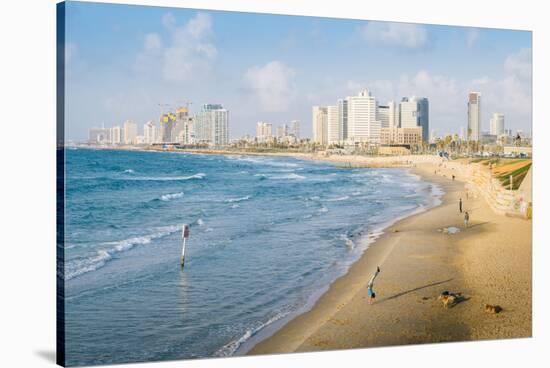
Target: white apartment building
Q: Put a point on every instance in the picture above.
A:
(393, 115)
(211, 125)
(414, 112)
(496, 125)
(149, 132)
(264, 132)
(474, 116)
(295, 129)
(116, 135)
(320, 124)
(334, 131)
(343, 117)
(362, 123)
(130, 132)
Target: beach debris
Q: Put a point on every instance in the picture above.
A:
(451, 230)
(450, 299)
(494, 309)
(395, 231)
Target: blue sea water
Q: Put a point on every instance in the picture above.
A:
(266, 235)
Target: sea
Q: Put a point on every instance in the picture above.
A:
(268, 235)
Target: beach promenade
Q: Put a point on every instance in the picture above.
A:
(489, 263)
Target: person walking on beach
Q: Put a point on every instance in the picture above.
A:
(460, 205)
(370, 286)
(466, 219)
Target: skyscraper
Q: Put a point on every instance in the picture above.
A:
(474, 116)
(116, 135)
(414, 112)
(295, 129)
(167, 122)
(362, 123)
(149, 132)
(320, 124)
(393, 114)
(383, 115)
(130, 132)
(496, 126)
(212, 125)
(264, 131)
(334, 133)
(343, 117)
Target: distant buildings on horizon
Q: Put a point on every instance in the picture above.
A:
(353, 120)
(210, 126)
(360, 119)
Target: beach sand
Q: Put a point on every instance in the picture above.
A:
(489, 263)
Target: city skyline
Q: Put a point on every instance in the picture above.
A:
(122, 68)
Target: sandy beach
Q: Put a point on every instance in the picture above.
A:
(489, 263)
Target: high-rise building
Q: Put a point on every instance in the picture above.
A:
(393, 114)
(496, 126)
(474, 116)
(264, 131)
(282, 131)
(362, 123)
(99, 135)
(343, 117)
(116, 135)
(320, 124)
(383, 115)
(212, 125)
(130, 132)
(334, 132)
(295, 129)
(167, 122)
(149, 132)
(414, 112)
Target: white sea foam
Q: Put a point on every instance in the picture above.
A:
(129, 171)
(263, 161)
(230, 348)
(167, 197)
(200, 222)
(102, 256)
(170, 178)
(323, 209)
(231, 200)
(287, 177)
(338, 199)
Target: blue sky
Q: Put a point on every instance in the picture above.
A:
(123, 60)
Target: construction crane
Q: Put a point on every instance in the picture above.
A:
(162, 106)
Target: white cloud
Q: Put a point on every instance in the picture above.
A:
(472, 36)
(188, 53)
(152, 42)
(509, 94)
(168, 20)
(411, 36)
(272, 84)
(520, 64)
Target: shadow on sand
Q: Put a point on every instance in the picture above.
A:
(413, 290)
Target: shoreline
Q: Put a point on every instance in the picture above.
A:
(407, 310)
(266, 332)
(493, 255)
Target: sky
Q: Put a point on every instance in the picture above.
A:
(123, 61)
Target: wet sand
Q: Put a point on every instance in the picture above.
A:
(489, 263)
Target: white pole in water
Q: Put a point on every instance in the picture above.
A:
(184, 236)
